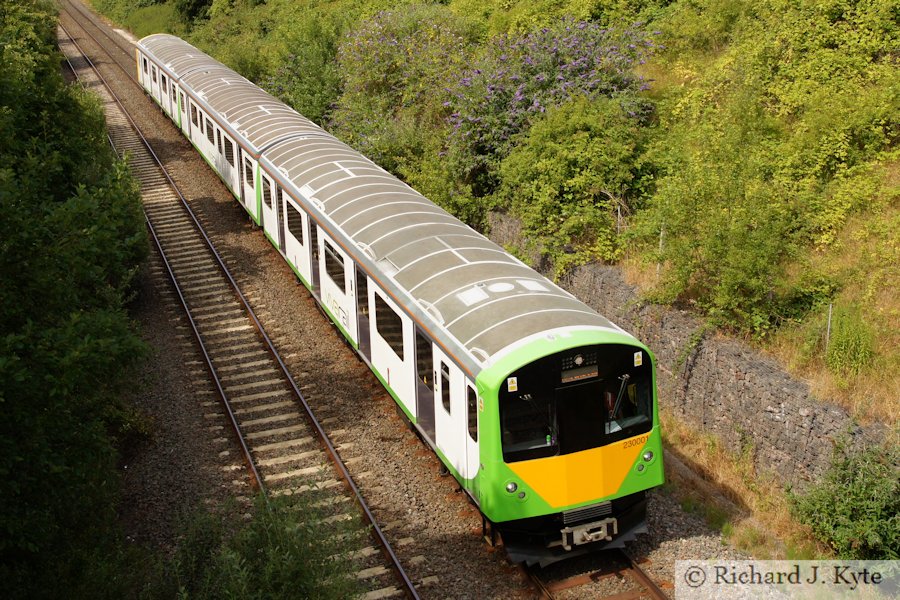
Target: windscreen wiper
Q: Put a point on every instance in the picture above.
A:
(624, 379)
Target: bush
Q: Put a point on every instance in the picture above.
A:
(308, 78)
(719, 226)
(856, 508)
(518, 77)
(766, 148)
(191, 10)
(571, 176)
(156, 18)
(73, 238)
(394, 68)
(280, 552)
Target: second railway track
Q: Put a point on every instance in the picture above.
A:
(287, 450)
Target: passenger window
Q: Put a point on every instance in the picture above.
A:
(445, 387)
(153, 72)
(248, 172)
(295, 223)
(472, 408)
(183, 105)
(209, 131)
(219, 141)
(267, 192)
(424, 358)
(145, 64)
(174, 96)
(389, 325)
(229, 150)
(334, 265)
(194, 118)
(165, 85)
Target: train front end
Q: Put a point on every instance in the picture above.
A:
(574, 444)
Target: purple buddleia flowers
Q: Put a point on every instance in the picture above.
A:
(521, 76)
(401, 56)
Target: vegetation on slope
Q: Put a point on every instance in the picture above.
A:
(856, 507)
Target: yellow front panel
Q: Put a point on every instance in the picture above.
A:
(580, 477)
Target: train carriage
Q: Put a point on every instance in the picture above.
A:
(543, 410)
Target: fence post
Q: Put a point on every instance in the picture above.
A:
(662, 233)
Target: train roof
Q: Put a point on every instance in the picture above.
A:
(484, 298)
(261, 119)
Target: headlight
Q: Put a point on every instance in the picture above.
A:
(511, 487)
(648, 456)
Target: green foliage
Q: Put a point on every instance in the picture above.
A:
(856, 508)
(279, 553)
(704, 26)
(570, 177)
(766, 132)
(769, 150)
(515, 78)
(426, 167)
(71, 239)
(143, 17)
(511, 16)
(308, 78)
(191, 10)
(852, 344)
(726, 227)
(394, 68)
(156, 18)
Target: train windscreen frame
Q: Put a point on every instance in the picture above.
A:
(580, 399)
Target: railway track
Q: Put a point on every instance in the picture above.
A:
(123, 55)
(286, 450)
(619, 569)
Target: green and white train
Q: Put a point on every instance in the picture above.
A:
(542, 409)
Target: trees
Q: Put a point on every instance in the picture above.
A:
(571, 177)
(72, 237)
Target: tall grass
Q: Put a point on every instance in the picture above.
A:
(750, 509)
(285, 550)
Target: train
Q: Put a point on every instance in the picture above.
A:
(543, 410)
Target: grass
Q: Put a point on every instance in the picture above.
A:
(750, 509)
(864, 260)
(284, 550)
(141, 21)
(156, 18)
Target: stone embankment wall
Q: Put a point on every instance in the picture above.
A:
(717, 384)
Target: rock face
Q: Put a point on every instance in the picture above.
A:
(717, 384)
